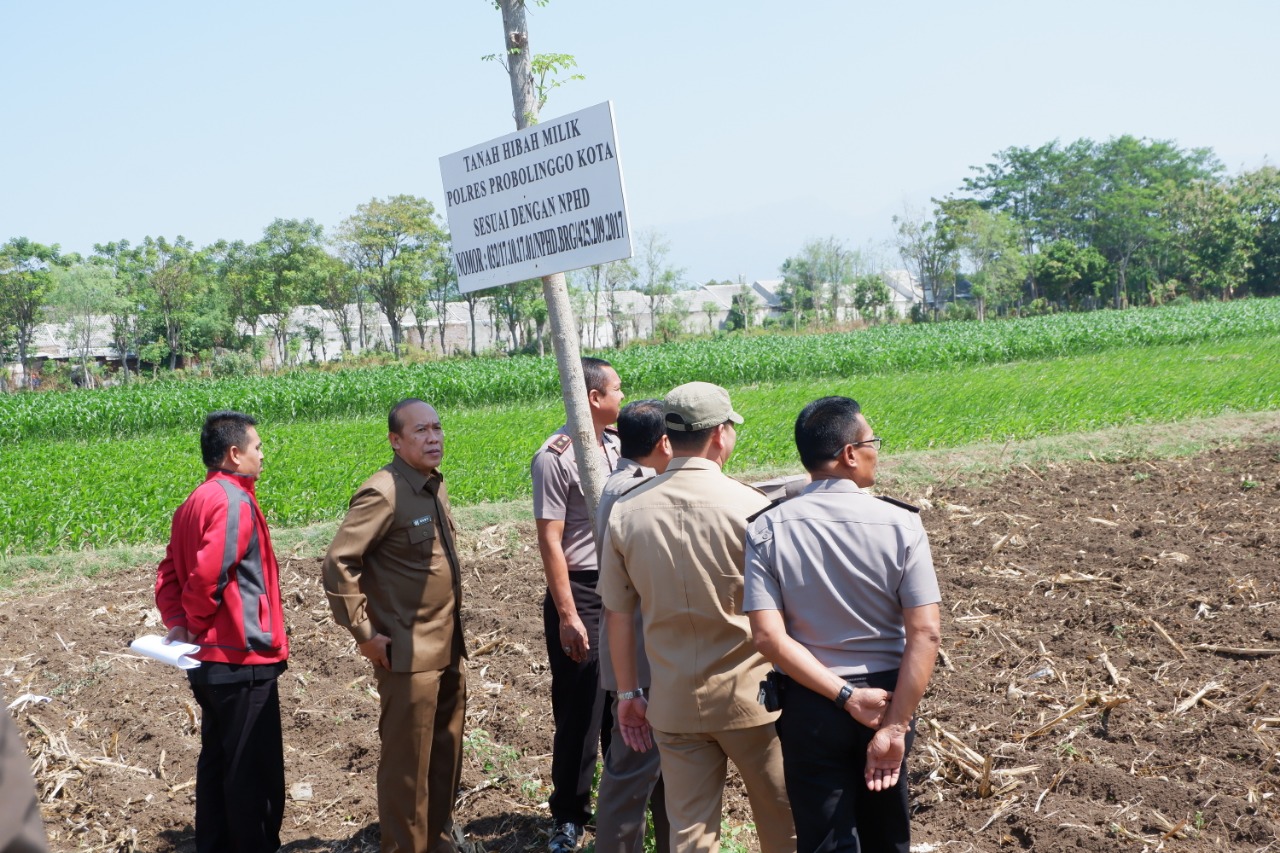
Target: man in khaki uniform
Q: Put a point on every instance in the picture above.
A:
(392, 578)
(674, 548)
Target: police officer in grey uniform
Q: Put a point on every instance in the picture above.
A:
(843, 599)
(631, 780)
(571, 609)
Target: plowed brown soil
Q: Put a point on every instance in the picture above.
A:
(1110, 680)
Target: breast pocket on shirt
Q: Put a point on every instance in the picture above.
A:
(422, 540)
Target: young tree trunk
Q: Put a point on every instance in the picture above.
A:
(564, 338)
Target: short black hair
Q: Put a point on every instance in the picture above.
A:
(393, 417)
(593, 373)
(222, 431)
(685, 441)
(640, 428)
(823, 429)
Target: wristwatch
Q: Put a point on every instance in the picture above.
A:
(638, 693)
(842, 698)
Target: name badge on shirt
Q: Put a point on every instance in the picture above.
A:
(418, 522)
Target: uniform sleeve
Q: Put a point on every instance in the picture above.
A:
(919, 581)
(217, 551)
(368, 519)
(616, 591)
(762, 589)
(550, 486)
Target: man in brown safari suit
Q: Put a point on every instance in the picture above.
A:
(392, 578)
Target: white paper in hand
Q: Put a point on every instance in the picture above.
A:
(174, 654)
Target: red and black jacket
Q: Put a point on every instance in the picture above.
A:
(219, 578)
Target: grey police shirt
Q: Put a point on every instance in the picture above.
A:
(840, 565)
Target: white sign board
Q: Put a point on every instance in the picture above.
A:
(538, 201)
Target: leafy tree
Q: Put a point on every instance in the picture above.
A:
(26, 280)
(315, 338)
(1259, 194)
(710, 307)
(742, 310)
(293, 262)
(799, 281)
(1135, 184)
(336, 286)
(870, 296)
(989, 246)
(658, 279)
(1038, 187)
(237, 271)
(814, 279)
(84, 296)
(516, 304)
(618, 276)
(1068, 274)
(601, 283)
(1117, 196)
(442, 288)
(126, 328)
(929, 254)
(392, 245)
(168, 284)
(1214, 239)
(670, 322)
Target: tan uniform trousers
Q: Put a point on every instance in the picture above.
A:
(693, 770)
(421, 762)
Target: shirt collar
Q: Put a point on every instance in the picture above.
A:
(245, 482)
(416, 479)
(692, 463)
(633, 468)
(838, 485)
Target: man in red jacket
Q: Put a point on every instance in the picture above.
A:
(219, 587)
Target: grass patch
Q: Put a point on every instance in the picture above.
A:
(104, 492)
(903, 474)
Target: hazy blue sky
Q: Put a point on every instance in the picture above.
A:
(745, 128)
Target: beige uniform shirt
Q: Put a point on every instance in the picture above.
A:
(392, 569)
(674, 547)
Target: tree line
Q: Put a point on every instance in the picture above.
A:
(1079, 226)
(1060, 227)
(164, 300)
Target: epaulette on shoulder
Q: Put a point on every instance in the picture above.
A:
(631, 485)
(757, 514)
(908, 507)
(559, 444)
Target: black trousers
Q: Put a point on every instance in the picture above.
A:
(579, 708)
(240, 772)
(824, 756)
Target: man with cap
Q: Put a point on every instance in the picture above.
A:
(674, 549)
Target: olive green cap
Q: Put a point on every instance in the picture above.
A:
(698, 405)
